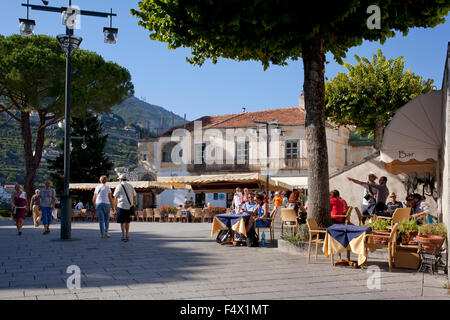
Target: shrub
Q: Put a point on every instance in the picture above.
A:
(301, 234)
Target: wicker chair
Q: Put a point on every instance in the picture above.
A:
(157, 214)
(208, 216)
(314, 230)
(178, 216)
(271, 228)
(197, 214)
(75, 214)
(149, 214)
(289, 215)
(171, 217)
(140, 216)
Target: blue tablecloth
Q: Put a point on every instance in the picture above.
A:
(345, 233)
(230, 219)
(341, 237)
(226, 221)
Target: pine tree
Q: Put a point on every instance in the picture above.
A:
(87, 159)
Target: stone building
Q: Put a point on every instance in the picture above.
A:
(236, 143)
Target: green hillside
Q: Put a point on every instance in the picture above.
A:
(121, 147)
(145, 115)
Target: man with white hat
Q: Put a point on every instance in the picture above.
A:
(368, 204)
(124, 199)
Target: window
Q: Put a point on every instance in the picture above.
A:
(241, 152)
(166, 153)
(216, 196)
(199, 150)
(292, 148)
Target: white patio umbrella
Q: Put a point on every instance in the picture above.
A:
(413, 139)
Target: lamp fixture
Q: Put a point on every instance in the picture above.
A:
(110, 33)
(69, 44)
(26, 26)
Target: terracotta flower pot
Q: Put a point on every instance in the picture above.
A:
(431, 243)
(409, 240)
(380, 240)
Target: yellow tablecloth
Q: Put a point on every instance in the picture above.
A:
(356, 245)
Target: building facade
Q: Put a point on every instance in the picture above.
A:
(238, 143)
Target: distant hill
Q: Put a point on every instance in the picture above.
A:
(124, 126)
(146, 116)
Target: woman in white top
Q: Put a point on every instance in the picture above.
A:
(103, 201)
(237, 201)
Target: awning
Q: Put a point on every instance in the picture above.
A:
(137, 185)
(226, 182)
(413, 139)
(295, 182)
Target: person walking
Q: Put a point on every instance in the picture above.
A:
(36, 207)
(19, 207)
(48, 202)
(124, 199)
(103, 201)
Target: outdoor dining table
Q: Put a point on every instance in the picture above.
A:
(234, 222)
(340, 238)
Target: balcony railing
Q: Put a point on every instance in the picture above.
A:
(275, 164)
(300, 163)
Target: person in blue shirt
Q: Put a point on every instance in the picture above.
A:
(261, 212)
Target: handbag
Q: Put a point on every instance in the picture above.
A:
(369, 194)
(132, 208)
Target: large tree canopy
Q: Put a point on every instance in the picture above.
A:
(275, 31)
(371, 92)
(272, 31)
(32, 79)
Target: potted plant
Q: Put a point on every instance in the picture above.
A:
(168, 209)
(379, 226)
(409, 230)
(217, 210)
(432, 236)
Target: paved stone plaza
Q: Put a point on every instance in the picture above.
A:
(181, 261)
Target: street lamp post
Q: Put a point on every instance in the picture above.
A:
(69, 43)
(267, 124)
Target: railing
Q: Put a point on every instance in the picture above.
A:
(300, 163)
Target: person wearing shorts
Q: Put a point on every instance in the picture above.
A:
(124, 199)
(48, 202)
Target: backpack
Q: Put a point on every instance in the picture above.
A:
(252, 239)
(223, 236)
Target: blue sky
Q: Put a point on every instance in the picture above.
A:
(164, 77)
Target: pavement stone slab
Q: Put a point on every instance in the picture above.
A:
(182, 261)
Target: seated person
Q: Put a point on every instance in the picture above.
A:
(337, 207)
(393, 204)
(421, 209)
(262, 211)
(250, 206)
(380, 210)
(207, 206)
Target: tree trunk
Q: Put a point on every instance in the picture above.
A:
(314, 90)
(31, 161)
(378, 133)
